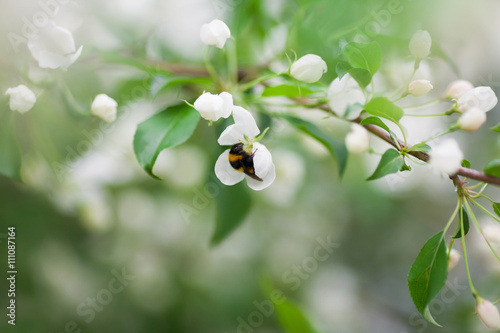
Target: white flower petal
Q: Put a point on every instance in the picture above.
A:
(346, 97)
(483, 98)
(104, 107)
(266, 181)
(472, 119)
(420, 44)
(227, 107)
(357, 141)
(225, 172)
(244, 124)
(447, 157)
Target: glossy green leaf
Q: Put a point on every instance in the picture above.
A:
(361, 75)
(492, 168)
(165, 129)
(160, 82)
(341, 69)
(364, 55)
(496, 208)
(10, 154)
(336, 148)
(382, 107)
(421, 147)
(233, 205)
(375, 121)
(391, 162)
(458, 231)
(466, 163)
(428, 275)
(288, 90)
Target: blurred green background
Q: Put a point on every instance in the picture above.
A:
(85, 212)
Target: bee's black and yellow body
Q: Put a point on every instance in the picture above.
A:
(242, 161)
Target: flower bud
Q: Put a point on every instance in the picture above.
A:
(21, 99)
(420, 44)
(212, 107)
(104, 107)
(309, 68)
(447, 157)
(487, 313)
(357, 140)
(419, 87)
(458, 88)
(481, 97)
(472, 119)
(453, 259)
(492, 234)
(215, 33)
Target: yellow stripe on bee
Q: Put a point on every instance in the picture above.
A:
(234, 158)
(239, 169)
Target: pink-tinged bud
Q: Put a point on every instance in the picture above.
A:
(458, 88)
(453, 259)
(472, 119)
(419, 87)
(487, 313)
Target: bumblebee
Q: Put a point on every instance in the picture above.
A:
(242, 161)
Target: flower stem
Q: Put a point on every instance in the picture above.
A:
(484, 209)
(464, 249)
(471, 213)
(248, 85)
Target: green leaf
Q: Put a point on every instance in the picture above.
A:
(362, 76)
(336, 148)
(391, 162)
(492, 168)
(496, 208)
(10, 153)
(458, 232)
(364, 55)
(233, 205)
(466, 163)
(496, 128)
(342, 69)
(421, 147)
(382, 107)
(289, 90)
(375, 121)
(166, 129)
(160, 82)
(428, 275)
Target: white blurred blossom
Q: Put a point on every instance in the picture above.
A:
(483, 98)
(345, 97)
(447, 157)
(54, 47)
(309, 68)
(215, 33)
(453, 259)
(458, 88)
(419, 87)
(21, 98)
(492, 234)
(357, 141)
(472, 119)
(420, 44)
(104, 107)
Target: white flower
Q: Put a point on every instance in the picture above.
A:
(244, 125)
(215, 33)
(492, 234)
(345, 97)
(472, 119)
(22, 98)
(480, 97)
(453, 259)
(420, 44)
(54, 47)
(488, 313)
(104, 107)
(447, 157)
(458, 88)
(357, 140)
(419, 87)
(213, 107)
(309, 68)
